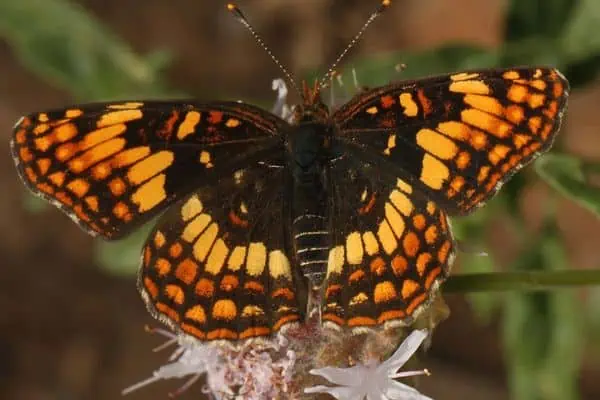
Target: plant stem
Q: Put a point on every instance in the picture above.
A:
(520, 281)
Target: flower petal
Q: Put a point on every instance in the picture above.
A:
(404, 351)
(399, 391)
(352, 376)
(339, 392)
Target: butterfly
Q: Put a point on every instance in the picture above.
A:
(261, 216)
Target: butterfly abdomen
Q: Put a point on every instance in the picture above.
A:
(311, 245)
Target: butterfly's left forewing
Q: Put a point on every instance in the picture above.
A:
(113, 166)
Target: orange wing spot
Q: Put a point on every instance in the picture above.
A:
(431, 234)
(392, 314)
(79, 187)
(356, 276)
(536, 100)
(205, 288)
(444, 251)
(387, 101)
(431, 207)
(409, 287)
(436, 144)
(551, 110)
(514, 114)
(557, 90)
(431, 277)
(517, 93)
(420, 299)
(127, 105)
(463, 76)
(411, 244)
(236, 220)
(188, 125)
(117, 186)
(361, 321)
(369, 206)
(43, 165)
(44, 187)
(377, 266)
(333, 318)
(535, 146)
(457, 183)
(166, 131)
(130, 156)
(538, 84)
(73, 113)
(175, 293)
(41, 128)
(151, 287)
(284, 321)
(424, 102)
(410, 107)
(512, 75)
(520, 140)
(494, 178)
(192, 330)
(224, 309)
(254, 287)
(147, 256)
(162, 266)
(221, 333)
(372, 110)
(498, 153)
(422, 262)
(384, 292)
(92, 203)
(196, 314)
(215, 117)
(399, 265)
(98, 136)
(484, 103)
(118, 117)
(150, 167)
(101, 171)
(150, 194)
(175, 250)
(229, 283)
(96, 154)
(25, 154)
(463, 160)
(255, 331)
(186, 271)
(331, 289)
(483, 173)
(488, 123)
(168, 311)
(20, 136)
(478, 139)
(65, 199)
(58, 178)
(121, 211)
(419, 221)
(65, 132)
(283, 292)
(545, 132)
(232, 123)
(433, 172)
(471, 86)
(65, 151)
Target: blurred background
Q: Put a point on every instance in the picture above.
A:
(71, 321)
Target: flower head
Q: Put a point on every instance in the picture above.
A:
(374, 381)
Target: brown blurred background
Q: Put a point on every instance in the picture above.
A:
(69, 330)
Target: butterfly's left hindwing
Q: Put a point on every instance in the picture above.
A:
(216, 266)
(113, 166)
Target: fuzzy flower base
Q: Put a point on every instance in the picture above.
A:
(292, 365)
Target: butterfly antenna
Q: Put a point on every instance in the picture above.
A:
(382, 7)
(237, 13)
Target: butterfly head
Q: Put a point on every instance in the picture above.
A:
(312, 108)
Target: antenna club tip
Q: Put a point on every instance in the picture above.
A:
(231, 7)
(386, 3)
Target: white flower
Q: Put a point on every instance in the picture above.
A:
(375, 382)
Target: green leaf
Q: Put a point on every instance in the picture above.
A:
(580, 39)
(543, 18)
(65, 45)
(122, 258)
(567, 175)
(483, 304)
